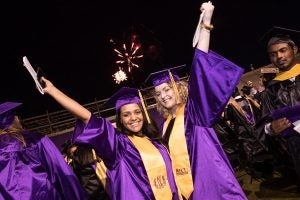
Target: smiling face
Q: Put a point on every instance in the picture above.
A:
(165, 95)
(132, 117)
(282, 55)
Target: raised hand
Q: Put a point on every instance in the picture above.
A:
(202, 34)
(280, 125)
(48, 85)
(208, 9)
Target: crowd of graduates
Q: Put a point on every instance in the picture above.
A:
(210, 129)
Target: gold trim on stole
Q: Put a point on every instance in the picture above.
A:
(241, 111)
(100, 169)
(295, 71)
(155, 167)
(179, 154)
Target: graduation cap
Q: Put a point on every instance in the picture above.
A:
(277, 35)
(127, 95)
(6, 113)
(165, 76)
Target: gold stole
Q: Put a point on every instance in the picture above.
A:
(179, 154)
(240, 110)
(295, 71)
(255, 103)
(100, 169)
(155, 167)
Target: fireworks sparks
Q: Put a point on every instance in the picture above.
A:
(128, 56)
(119, 76)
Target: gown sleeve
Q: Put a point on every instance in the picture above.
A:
(59, 172)
(100, 135)
(211, 83)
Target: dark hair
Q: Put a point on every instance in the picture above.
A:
(149, 130)
(83, 155)
(246, 90)
(235, 92)
(281, 38)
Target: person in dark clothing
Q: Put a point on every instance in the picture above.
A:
(284, 89)
(84, 161)
(243, 114)
(229, 141)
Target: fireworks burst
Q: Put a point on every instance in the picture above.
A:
(119, 76)
(128, 56)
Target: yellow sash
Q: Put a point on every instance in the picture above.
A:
(295, 71)
(179, 154)
(257, 105)
(100, 169)
(155, 167)
(240, 110)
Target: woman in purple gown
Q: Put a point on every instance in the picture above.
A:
(137, 165)
(31, 166)
(201, 167)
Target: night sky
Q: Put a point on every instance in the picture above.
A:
(69, 40)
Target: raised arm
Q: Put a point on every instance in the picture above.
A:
(69, 104)
(213, 78)
(205, 27)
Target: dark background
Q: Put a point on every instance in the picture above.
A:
(70, 41)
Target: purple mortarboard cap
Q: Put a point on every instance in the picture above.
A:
(124, 96)
(277, 35)
(6, 113)
(292, 113)
(163, 76)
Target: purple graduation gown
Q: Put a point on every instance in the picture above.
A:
(37, 171)
(211, 83)
(126, 174)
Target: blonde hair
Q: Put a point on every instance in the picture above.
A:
(183, 94)
(15, 129)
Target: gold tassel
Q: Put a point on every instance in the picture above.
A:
(144, 107)
(174, 86)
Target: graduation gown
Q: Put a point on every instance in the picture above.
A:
(279, 94)
(126, 175)
(211, 83)
(37, 171)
